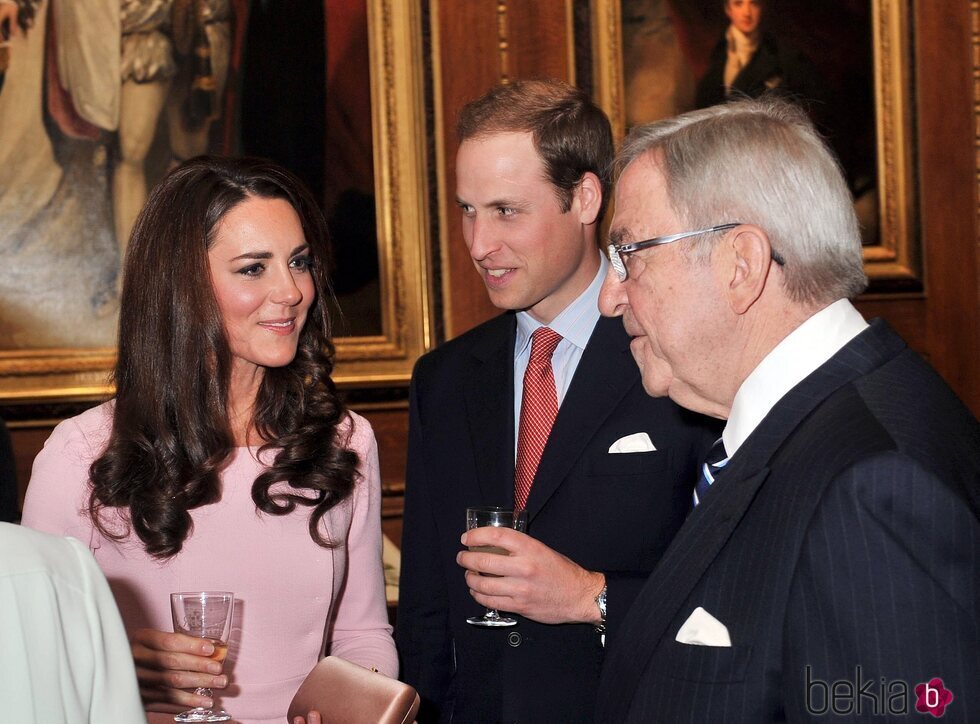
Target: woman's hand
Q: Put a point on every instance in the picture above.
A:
(167, 663)
(312, 718)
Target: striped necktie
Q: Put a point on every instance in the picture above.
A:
(716, 460)
(539, 408)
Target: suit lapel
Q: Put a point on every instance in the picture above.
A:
(489, 393)
(605, 374)
(699, 541)
(712, 523)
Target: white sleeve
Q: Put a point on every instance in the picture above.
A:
(64, 655)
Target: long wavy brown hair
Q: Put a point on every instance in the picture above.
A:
(171, 435)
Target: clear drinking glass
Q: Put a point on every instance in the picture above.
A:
(206, 614)
(498, 518)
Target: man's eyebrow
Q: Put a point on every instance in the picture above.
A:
(495, 203)
(513, 203)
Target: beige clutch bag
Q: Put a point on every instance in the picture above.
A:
(345, 693)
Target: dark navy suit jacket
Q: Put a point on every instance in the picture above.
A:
(840, 544)
(613, 513)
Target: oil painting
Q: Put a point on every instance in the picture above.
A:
(100, 99)
(846, 61)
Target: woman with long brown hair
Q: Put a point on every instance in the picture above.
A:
(226, 461)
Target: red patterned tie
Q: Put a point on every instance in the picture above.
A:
(539, 407)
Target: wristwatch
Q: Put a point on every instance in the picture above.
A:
(600, 627)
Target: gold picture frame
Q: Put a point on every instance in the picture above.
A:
(894, 262)
(396, 50)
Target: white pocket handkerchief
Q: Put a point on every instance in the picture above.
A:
(703, 629)
(637, 442)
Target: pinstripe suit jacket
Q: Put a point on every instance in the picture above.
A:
(844, 533)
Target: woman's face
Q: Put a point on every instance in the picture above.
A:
(744, 14)
(260, 269)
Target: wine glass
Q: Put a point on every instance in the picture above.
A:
(206, 614)
(498, 518)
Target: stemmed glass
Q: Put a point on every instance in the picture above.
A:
(498, 518)
(206, 614)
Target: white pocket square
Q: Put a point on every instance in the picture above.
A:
(703, 629)
(637, 442)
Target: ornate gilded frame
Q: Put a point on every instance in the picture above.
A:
(397, 94)
(895, 262)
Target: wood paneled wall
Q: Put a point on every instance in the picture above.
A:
(943, 324)
(477, 45)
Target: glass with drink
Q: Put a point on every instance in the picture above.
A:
(498, 518)
(207, 615)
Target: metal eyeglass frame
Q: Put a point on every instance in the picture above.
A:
(617, 252)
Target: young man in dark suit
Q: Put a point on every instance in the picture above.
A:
(605, 487)
(832, 562)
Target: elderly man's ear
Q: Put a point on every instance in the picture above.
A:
(749, 259)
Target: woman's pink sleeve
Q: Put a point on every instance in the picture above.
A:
(361, 632)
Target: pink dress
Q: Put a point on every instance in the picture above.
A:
(293, 597)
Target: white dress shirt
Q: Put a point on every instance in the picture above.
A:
(792, 360)
(64, 655)
(575, 324)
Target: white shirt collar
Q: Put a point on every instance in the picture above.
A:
(792, 360)
(742, 45)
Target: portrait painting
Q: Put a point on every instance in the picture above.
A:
(844, 61)
(100, 99)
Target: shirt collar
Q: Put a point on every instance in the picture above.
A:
(575, 322)
(740, 43)
(792, 360)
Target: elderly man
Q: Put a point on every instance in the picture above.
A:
(831, 563)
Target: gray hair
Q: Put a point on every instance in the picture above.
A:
(760, 162)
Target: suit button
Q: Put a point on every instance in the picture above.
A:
(514, 639)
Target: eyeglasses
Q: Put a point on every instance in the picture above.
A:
(618, 252)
